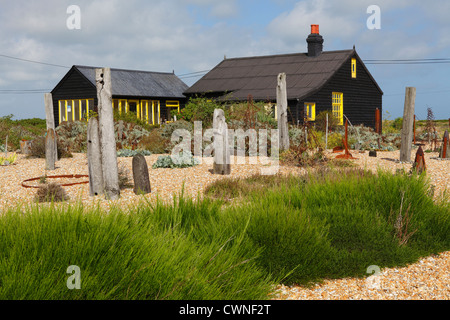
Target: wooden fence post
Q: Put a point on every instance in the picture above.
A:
(94, 159)
(50, 150)
(106, 134)
(282, 115)
(222, 163)
(408, 122)
(50, 117)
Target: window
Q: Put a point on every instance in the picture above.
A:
(75, 109)
(338, 106)
(354, 68)
(310, 109)
(171, 105)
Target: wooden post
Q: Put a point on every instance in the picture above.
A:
(94, 159)
(377, 121)
(283, 128)
(326, 133)
(222, 163)
(106, 134)
(414, 129)
(50, 117)
(445, 152)
(407, 128)
(140, 175)
(50, 150)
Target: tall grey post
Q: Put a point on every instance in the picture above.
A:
(106, 134)
(282, 104)
(50, 118)
(50, 150)
(408, 124)
(94, 159)
(222, 163)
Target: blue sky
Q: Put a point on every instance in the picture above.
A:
(194, 35)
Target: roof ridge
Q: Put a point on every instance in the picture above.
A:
(287, 54)
(128, 70)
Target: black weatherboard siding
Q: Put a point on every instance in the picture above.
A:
(74, 85)
(361, 96)
(79, 83)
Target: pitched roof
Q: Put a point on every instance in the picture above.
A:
(140, 83)
(257, 76)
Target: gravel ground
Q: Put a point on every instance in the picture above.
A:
(427, 279)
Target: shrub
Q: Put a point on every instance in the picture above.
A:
(168, 129)
(51, 192)
(183, 160)
(335, 140)
(321, 121)
(132, 153)
(37, 149)
(154, 142)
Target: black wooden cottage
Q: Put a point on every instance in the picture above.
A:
(151, 95)
(316, 81)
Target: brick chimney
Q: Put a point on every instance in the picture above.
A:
(315, 42)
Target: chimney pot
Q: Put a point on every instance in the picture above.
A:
(315, 42)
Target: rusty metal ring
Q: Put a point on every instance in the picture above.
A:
(76, 176)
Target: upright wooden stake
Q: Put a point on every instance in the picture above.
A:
(445, 152)
(222, 163)
(326, 134)
(50, 150)
(414, 129)
(408, 121)
(283, 128)
(106, 134)
(50, 117)
(94, 159)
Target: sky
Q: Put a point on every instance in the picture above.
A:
(189, 36)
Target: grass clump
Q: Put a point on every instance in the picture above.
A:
(126, 256)
(51, 192)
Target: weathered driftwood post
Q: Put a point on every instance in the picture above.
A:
(408, 122)
(222, 163)
(326, 133)
(50, 118)
(106, 134)
(94, 159)
(50, 150)
(445, 150)
(282, 112)
(140, 175)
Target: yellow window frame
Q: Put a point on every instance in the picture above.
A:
(338, 106)
(65, 102)
(173, 104)
(144, 106)
(310, 108)
(353, 68)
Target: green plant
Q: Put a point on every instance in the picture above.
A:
(11, 159)
(182, 160)
(132, 153)
(321, 121)
(335, 140)
(154, 142)
(199, 109)
(51, 192)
